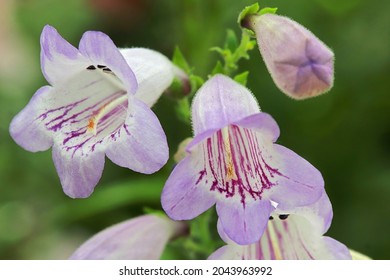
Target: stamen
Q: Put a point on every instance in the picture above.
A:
(231, 173)
(107, 70)
(94, 120)
(101, 66)
(283, 216)
(91, 67)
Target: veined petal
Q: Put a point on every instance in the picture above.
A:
(79, 173)
(300, 182)
(296, 235)
(262, 123)
(141, 238)
(319, 214)
(220, 102)
(185, 194)
(154, 73)
(244, 223)
(100, 49)
(27, 129)
(59, 59)
(140, 144)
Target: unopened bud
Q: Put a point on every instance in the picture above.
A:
(300, 64)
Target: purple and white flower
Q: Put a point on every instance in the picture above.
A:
(141, 238)
(98, 103)
(300, 64)
(294, 236)
(233, 162)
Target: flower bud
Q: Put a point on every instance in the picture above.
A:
(300, 64)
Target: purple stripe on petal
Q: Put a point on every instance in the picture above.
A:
(27, 129)
(140, 144)
(79, 173)
(235, 161)
(185, 196)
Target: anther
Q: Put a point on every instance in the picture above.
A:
(283, 216)
(101, 66)
(91, 67)
(107, 70)
(271, 218)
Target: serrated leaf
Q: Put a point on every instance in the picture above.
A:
(179, 60)
(242, 78)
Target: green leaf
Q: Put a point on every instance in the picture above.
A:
(231, 40)
(242, 78)
(179, 60)
(253, 9)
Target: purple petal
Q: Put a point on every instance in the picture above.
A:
(141, 238)
(302, 70)
(27, 129)
(291, 238)
(185, 194)
(319, 214)
(100, 49)
(220, 102)
(59, 59)
(79, 172)
(154, 73)
(244, 224)
(262, 123)
(300, 183)
(140, 144)
(336, 249)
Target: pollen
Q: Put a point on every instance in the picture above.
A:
(230, 170)
(91, 127)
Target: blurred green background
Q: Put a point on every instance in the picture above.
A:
(345, 133)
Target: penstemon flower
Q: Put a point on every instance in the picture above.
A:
(300, 64)
(97, 104)
(293, 236)
(141, 238)
(234, 163)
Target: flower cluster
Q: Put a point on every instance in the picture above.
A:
(271, 203)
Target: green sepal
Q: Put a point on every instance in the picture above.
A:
(179, 60)
(218, 69)
(242, 78)
(183, 110)
(248, 10)
(268, 10)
